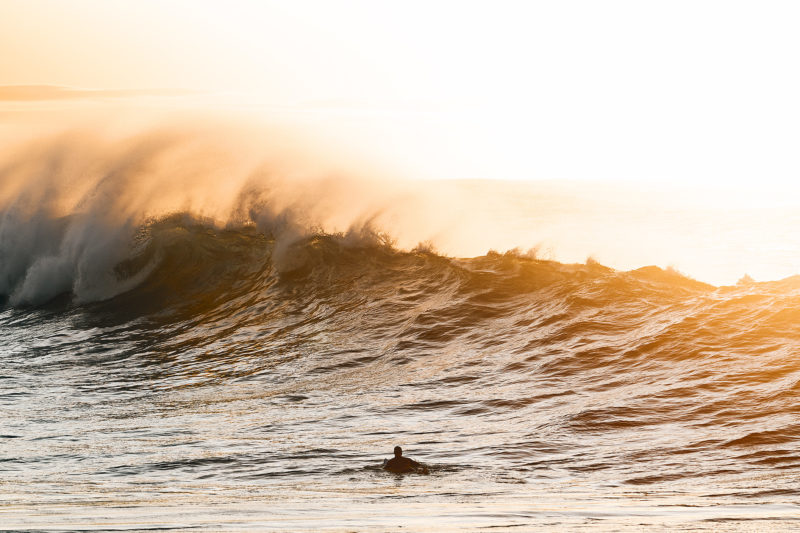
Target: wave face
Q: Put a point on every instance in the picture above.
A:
(605, 352)
(178, 351)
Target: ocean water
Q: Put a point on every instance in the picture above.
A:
(175, 372)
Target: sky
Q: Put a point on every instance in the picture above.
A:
(690, 92)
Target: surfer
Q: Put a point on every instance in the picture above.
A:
(401, 465)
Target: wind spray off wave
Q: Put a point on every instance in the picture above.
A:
(75, 205)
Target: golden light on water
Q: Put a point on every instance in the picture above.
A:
(247, 247)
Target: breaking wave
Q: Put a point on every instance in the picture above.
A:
(501, 333)
(165, 288)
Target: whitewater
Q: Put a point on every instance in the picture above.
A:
(196, 336)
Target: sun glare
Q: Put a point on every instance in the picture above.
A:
(548, 90)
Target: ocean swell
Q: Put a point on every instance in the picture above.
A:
(290, 285)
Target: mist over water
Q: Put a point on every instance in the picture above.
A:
(219, 327)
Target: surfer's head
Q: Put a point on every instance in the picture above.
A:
(398, 451)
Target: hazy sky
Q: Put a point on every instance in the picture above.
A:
(688, 91)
